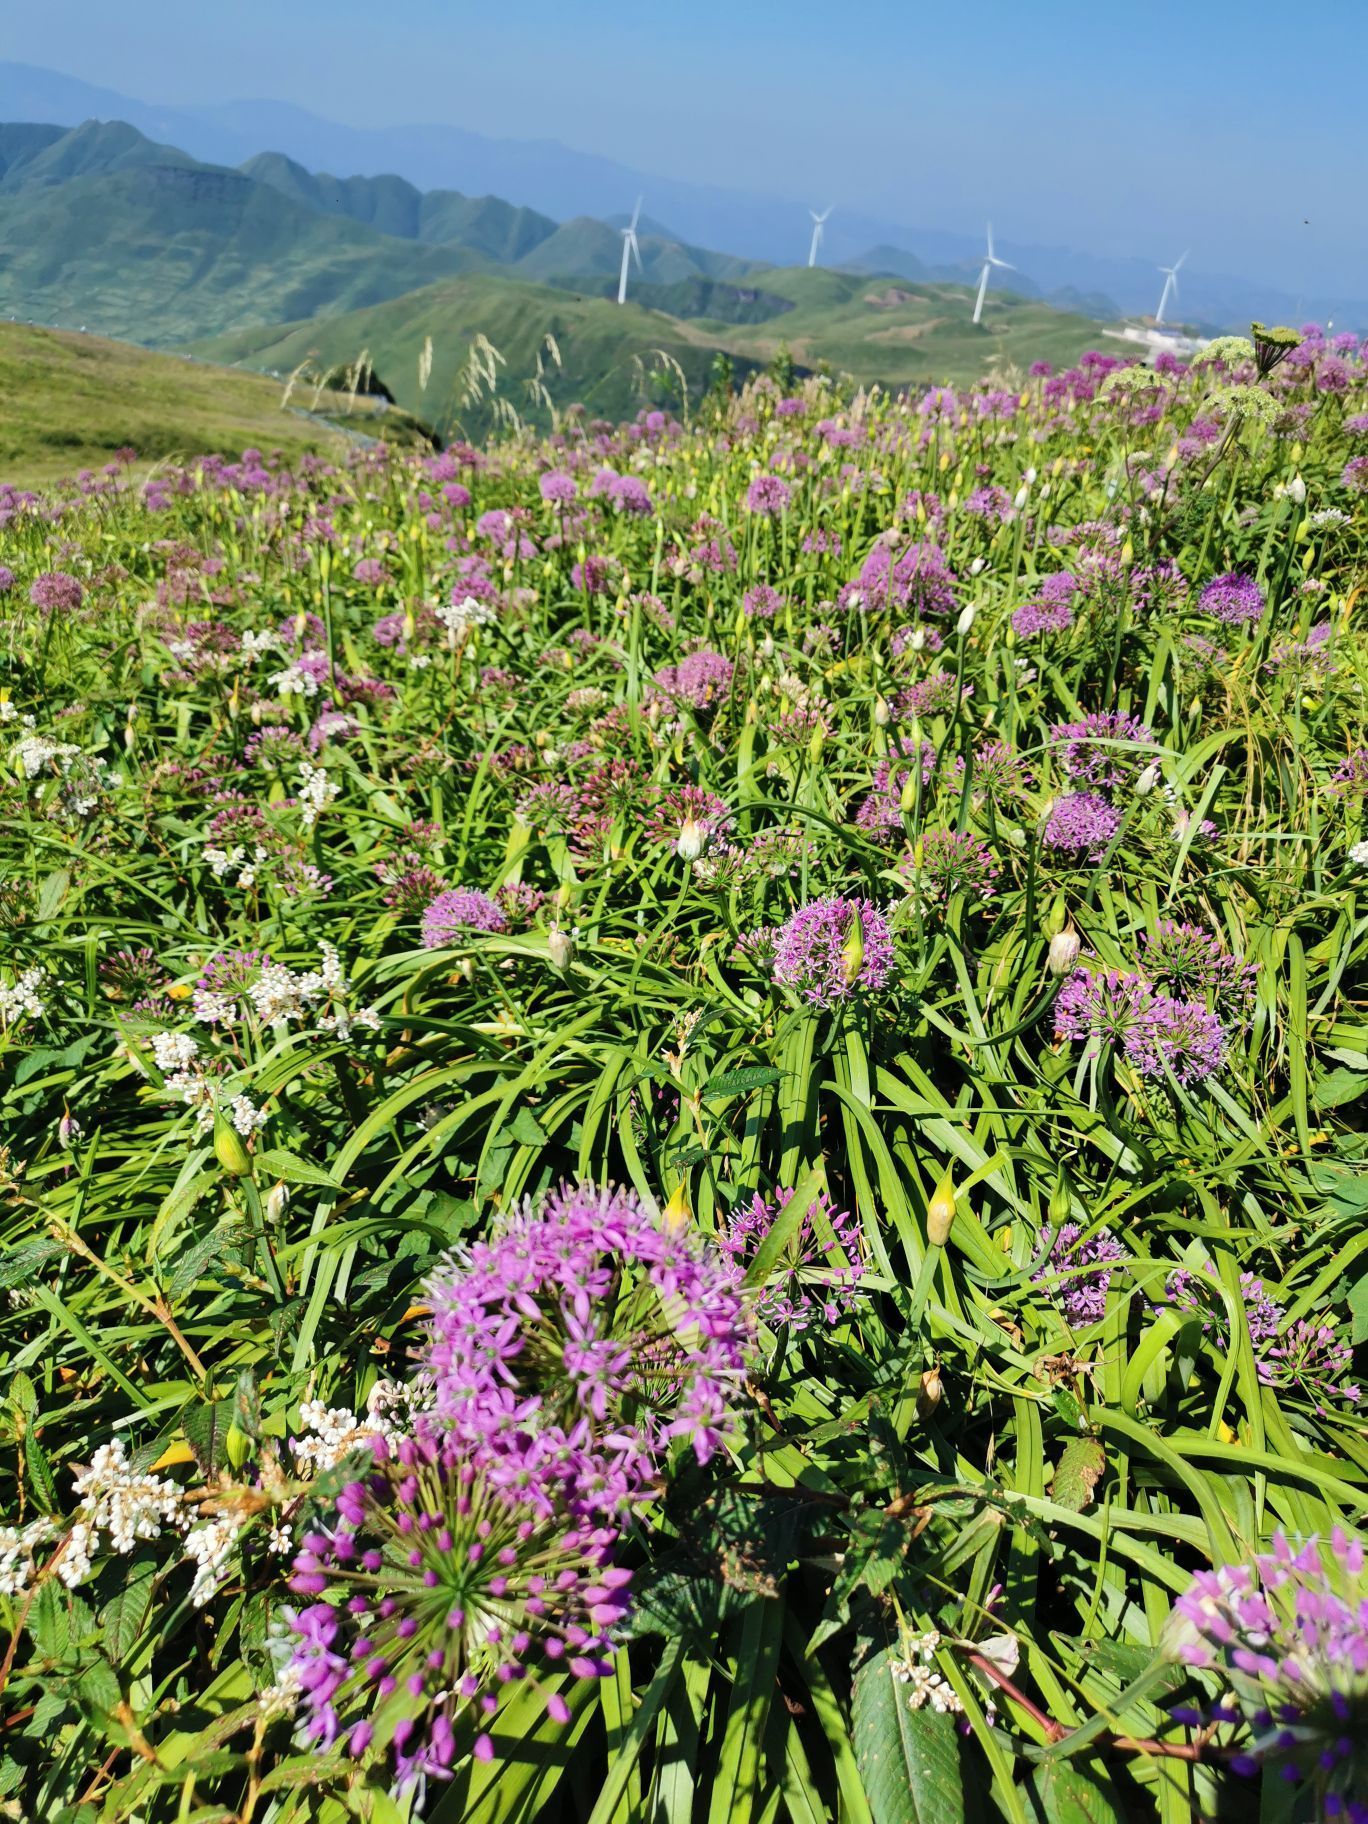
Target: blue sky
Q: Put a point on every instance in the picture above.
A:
(1230, 129)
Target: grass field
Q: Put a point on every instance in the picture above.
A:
(683, 1107)
(73, 401)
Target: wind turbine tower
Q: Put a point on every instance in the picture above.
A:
(630, 251)
(818, 224)
(990, 260)
(1170, 288)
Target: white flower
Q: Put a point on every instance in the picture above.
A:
(254, 644)
(293, 682)
(210, 1547)
(459, 617)
(21, 1000)
(247, 1118)
(1359, 854)
(17, 1547)
(316, 792)
(35, 753)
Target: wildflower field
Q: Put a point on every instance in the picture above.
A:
(683, 1124)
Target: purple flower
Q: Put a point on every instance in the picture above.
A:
(332, 725)
(1354, 475)
(1079, 1269)
(1159, 1035)
(1090, 748)
(1082, 824)
(768, 495)
(1052, 609)
(455, 913)
(1188, 961)
(1285, 1633)
(558, 488)
(832, 947)
(436, 1587)
(937, 694)
(370, 571)
(819, 1269)
(880, 816)
(6, 579)
(575, 1345)
(55, 592)
(946, 862)
(1232, 598)
(761, 603)
(998, 771)
(275, 748)
(689, 821)
(700, 680)
(989, 503)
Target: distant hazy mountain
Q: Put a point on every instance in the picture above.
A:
(557, 181)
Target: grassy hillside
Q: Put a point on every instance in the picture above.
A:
(72, 400)
(605, 351)
(871, 328)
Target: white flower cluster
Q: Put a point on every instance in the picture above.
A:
(916, 1670)
(234, 861)
(9, 711)
(210, 1546)
(246, 1117)
(35, 754)
(459, 617)
(316, 792)
(123, 1504)
(20, 1000)
(332, 1431)
(294, 681)
(17, 1548)
(254, 644)
(282, 1698)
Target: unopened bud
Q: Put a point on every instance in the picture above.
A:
(1147, 781)
(1057, 916)
(1022, 496)
(231, 1154)
(675, 1215)
(689, 844)
(853, 950)
(940, 1213)
(767, 646)
(977, 567)
(237, 1447)
(68, 1130)
(275, 1201)
(883, 715)
(929, 1393)
(966, 619)
(560, 947)
(1128, 554)
(1063, 954)
(1296, 489)
(1029, 477)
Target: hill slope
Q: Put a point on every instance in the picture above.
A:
(73, 400)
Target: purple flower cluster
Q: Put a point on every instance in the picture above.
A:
(55, 592)
(699, 680)
(1232, 598)
(1286, 1634)
(918, 580)
(1081, 824)
(768, 495)
(447, 1588)
(1158, 1034)
(456, 913)
(558, 488)
(818, 1272)
(832, 947)
(689, 821)
(1089, 748)
(946, 862)
(1187, 961)
(571, 1349)
(1079, 1267)
(1308, 1356)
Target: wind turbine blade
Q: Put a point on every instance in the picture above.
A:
(636, 253)
(990, 242)
(636, 215)
(1178, 262)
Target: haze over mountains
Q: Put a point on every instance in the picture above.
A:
(553, 180)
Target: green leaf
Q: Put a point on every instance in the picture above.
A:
(206, 1432)
(526, 1129)
(1339, 1087)
(1066, 1794)
(23, 1262)
(49, 1623)
(97, 1690)
(908, 1759)
(279, 1162)
(123, 1616)
(1077, 1473)
(737, 1082)
(40, 1477)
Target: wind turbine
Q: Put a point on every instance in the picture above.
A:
(1170, 288)
(630, 251)
(990, 260)
(818, 221)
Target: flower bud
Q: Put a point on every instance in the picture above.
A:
(966, 619)
(689, 843)
(940, 1213)
(1128, 554)
(853, 950)
(1147, 781)
(1057, 916)
(1029, 477)
(231, 1154)
(929, 1393)
(977, 567)
(675, 1215)
(883, 715)
(560, 947)
(1296, 489)
(1022, 496)
(1063, 953)
(275, 1201)
(68, 1130)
